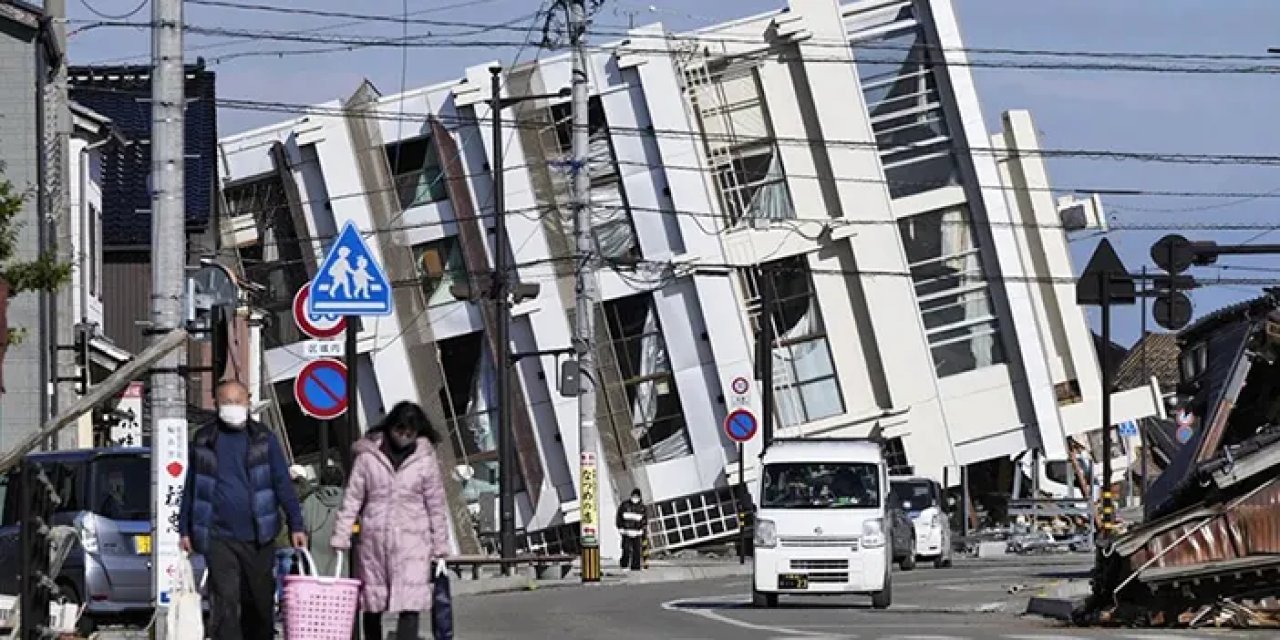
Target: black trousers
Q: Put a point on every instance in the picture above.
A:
(242, 590)
(407, 626)
(633, 552)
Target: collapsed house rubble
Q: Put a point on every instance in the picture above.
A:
(1208, 552)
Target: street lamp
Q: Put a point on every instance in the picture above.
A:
(499, 291)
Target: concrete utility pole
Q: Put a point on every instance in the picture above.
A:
(586, 299)
(168, 213)
(500, 292)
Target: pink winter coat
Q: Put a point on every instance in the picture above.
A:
(403, 525)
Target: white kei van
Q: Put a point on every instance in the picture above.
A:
(821, 525)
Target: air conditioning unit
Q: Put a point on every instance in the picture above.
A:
(239, 231)
(1078, 214)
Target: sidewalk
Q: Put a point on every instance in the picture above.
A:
(665, 570)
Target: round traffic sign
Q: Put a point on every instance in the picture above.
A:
(1172, 311)
(321, 389)
(740, 385)
(740, 425)
(1172, 253)
(320, 327)
(1184, 433)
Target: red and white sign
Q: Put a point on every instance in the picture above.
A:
(318, 327)
(740, 385)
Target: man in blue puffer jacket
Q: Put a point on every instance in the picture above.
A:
(237, 483)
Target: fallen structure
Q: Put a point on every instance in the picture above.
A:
(1208, 552)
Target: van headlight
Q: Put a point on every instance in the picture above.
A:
(87, 529)
(766, 534)
(873, 533)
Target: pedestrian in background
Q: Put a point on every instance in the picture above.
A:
(397, 491)
(320, 512)
(632, 521)
(237, 484)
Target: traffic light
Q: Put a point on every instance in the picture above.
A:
(1172, 308)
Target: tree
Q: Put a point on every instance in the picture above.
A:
(44, 273)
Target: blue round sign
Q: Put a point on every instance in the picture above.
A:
(321, 389)
(740, 425)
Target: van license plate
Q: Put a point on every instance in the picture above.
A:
(793, 581)
(142, 544)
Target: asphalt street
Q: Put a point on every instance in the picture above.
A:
(970, 601)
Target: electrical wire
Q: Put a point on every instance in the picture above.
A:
(107, 16)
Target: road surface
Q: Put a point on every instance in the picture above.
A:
(971, 601)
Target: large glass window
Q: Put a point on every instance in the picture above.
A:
(740, 144)
(804, 377)
(415, 165)
(952, 290)
(470, 405)
(896, 69)
(440, 265)
(611, 224)
(816, 485)
(644, 367)
(121, 487)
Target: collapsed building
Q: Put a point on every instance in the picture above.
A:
(1209, 548)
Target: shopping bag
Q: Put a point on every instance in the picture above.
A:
(441, 604)
(185, 620)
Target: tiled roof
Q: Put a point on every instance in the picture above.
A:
(1158, 352)
(123, 94)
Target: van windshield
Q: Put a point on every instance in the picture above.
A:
(821, 485)
(918, 493)
(121, 487)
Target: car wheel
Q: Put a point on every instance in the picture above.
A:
(908, 563)
(882, 599)
(942, 562)
(763, 600)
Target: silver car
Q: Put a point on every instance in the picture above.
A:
(106, 495)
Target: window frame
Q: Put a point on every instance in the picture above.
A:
(437, 190)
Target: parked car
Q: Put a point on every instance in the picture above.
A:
(106, 495)
(923, 502)
(902, 532)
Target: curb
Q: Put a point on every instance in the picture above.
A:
(653, 575)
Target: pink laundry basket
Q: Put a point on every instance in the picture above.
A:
(317, 607)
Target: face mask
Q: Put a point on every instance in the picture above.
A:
(400, 440)
(233, 415)
(635, 500)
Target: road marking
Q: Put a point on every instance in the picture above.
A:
(690, 606)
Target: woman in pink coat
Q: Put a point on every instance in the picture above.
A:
(398, 493)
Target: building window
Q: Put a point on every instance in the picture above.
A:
(952, 290)
(805, 384)
(440, 265)
(896, 68)
(895, 457)
(415, 165)
(611, 223)
(275, 261)
(644, 368)
(741, 148)
(470, 407)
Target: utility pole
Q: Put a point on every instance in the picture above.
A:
(586, 300)
(168, 206)
(498, 290)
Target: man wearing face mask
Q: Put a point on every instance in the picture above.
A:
(632, 521)
(237, 484)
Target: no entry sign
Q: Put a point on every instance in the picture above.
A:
(320, 327)
(321, 389)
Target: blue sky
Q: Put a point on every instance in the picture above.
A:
(1172, 113)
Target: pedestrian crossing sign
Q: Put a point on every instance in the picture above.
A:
(350, 282)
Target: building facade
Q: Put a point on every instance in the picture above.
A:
(27, 54)
(831, 158)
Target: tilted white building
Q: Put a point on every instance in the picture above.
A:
(839, 152)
